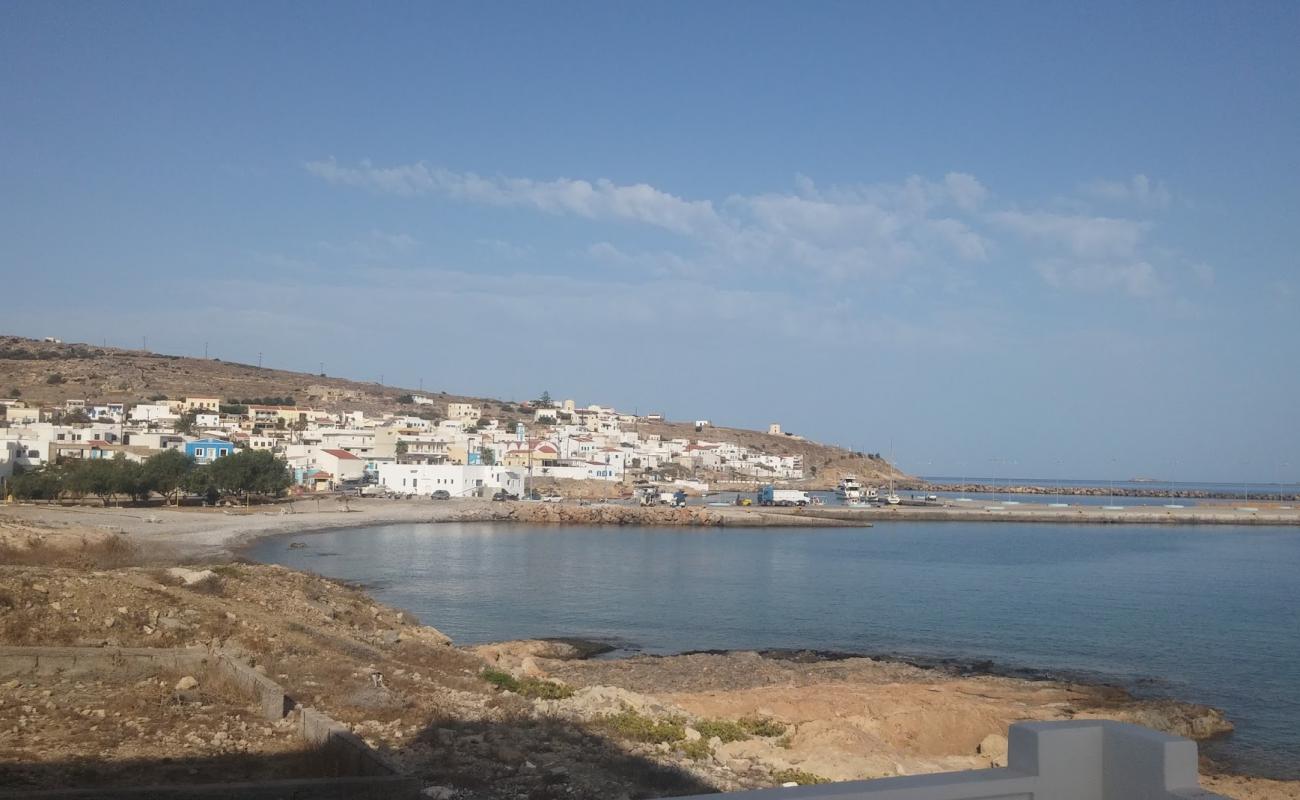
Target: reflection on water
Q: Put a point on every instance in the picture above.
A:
(1202, 614)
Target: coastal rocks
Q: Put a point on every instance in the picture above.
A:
(525, 658)
(595, 514)
(598, 701)
(994, 748)
(1190, 720)
(192, 577)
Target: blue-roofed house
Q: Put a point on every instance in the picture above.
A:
(205, 451)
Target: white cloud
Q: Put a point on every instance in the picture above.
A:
(966, 243)
(503, 249)
(1138, 190)
(1134, 278)
(918, 229)
(1082, 236)
(965, 190)
(600, 200)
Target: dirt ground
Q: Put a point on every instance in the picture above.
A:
(110, 730)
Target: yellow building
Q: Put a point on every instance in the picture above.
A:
(202, 405)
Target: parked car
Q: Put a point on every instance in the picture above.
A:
(440, 494)
(504, 495)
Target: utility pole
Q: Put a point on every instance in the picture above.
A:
(322, 367)
(205, 351)
(144, 343)
(259, 360)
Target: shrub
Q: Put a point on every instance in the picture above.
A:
(54, 379)
(697, 750)
(501, 679)
(798, 776)
(761, 726)
(640, 728)
(724, 729)
(527, 687)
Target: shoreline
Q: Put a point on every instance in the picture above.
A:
(1118, 492)
(975, 695)
(197, 533)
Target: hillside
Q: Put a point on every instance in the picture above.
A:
(48, 373)
(830, 463)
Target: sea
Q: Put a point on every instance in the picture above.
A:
(1203, 614)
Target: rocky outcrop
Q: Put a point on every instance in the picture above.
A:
(652, 516)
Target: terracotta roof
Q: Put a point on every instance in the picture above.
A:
(342, 455)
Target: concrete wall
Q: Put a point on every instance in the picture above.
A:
(1076, 760)
(75, 661)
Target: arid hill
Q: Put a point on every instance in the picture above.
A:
(48, 373)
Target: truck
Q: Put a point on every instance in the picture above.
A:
(771, 496)
(651, 496)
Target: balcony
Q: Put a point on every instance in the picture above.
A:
(1076, 760)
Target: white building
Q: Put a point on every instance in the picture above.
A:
(153, 412)
(344, 466)
(458, 480)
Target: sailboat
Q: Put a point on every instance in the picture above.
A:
(891, 498)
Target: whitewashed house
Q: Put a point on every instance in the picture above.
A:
(458, 480)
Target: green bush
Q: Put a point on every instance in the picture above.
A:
(640, 728)
(798, 776)
(527, 687)
(737, 730)
(501, 679)
(725, 729)
(697, 750)
(762, 726)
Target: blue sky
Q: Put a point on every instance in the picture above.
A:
(990, 238)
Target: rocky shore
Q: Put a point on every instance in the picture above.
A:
(532, 719)
(1264, 495)
(654, 516)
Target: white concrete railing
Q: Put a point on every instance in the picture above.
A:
(1075, 760)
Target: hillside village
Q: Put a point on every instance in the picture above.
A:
(421, 444)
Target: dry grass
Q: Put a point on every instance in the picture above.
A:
(108, 552)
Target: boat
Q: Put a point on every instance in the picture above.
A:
(891, 498)
(849, 488)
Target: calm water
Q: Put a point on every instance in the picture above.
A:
(1203, 614)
